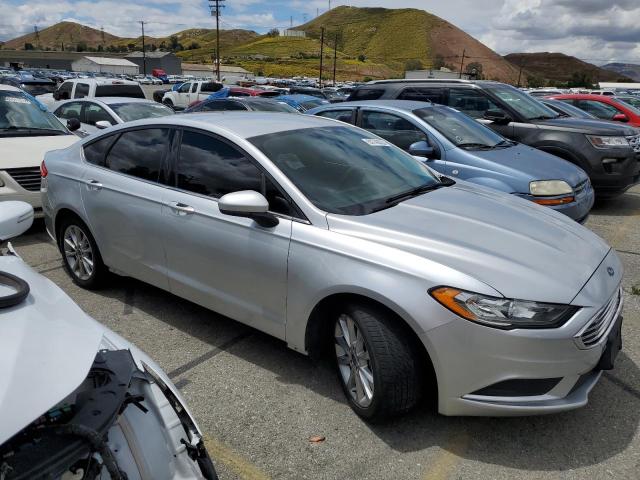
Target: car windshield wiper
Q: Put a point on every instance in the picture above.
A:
(544, 117)
(36, 130)
(427, 187)
(482, 146)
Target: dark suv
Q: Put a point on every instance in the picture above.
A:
(608, 152)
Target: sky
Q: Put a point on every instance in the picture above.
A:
(597, 31)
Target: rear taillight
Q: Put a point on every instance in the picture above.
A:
(43, 170)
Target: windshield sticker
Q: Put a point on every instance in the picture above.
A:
(376, 142)
(16, 100)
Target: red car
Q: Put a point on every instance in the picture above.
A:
(604, 107)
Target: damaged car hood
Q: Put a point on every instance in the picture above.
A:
(47, 346)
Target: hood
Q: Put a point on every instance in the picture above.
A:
(520, 249)
(522, 161)
(586, 125)
(47, 345)
(20, 152)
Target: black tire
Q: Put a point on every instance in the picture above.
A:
(395, 363)
(100, 272)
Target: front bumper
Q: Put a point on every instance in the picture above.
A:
(471, 360)
(578, 209)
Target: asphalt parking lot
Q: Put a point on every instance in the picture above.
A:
(259, 402)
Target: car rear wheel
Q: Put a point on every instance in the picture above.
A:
(80, 255)
(377, 366)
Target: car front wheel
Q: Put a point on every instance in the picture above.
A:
(80, 255)
(377, 366)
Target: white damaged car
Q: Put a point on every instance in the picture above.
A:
(77, 401)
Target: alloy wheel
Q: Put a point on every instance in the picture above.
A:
(78, 252)
(354, 362)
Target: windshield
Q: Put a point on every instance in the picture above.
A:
(567, 109)
(309, 104)
(20, 113)
(459, 129)
(527, 106)
(129, 112)
(344, 170)
(631, 103)
(266, 106)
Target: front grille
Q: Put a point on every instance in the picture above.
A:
(600, 322)
(580, 187)
(634, 141)
(28, 178)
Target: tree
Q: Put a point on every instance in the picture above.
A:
(28, 46)
(173, 42)
(580, 79)
(100, 48)
(81, 47)
(274, 32)
(193, 46)
(438, 62)
(413, 64)
(474, 70)
(361, 57)
(534, 81)
(131, 46)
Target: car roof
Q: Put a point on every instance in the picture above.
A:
(299, 97)
(239, 123)
(432, 80)
(103, 81)
(583, 96)
(406, 105)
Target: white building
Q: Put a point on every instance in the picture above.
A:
(619, 86)
(228, 73)
(106, 65)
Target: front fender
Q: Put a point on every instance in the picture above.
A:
(492, 183)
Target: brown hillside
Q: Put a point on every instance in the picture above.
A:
(560, 67)
(67, 33)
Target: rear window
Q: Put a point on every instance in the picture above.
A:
(422, 94)
(367, 94)
(132, 91)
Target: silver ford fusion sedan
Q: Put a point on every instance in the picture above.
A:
(334, 240)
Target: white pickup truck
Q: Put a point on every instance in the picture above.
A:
(92, 87)
(190, 92)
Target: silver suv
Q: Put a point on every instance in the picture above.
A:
(332, 239)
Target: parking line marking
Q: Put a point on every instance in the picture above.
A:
(447, 460)
(242, 467)
(616, 381)
(209, 355)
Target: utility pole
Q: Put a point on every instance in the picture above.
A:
(520, 72)
(321, 55)
(215, 6)
(335, 57)
(144, 54)
(291, 21)
(462, 63)
(35, 29)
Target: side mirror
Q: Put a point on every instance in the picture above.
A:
(73, 124)
(102, 124)
(15, 219)
(620, 117)
(497, 116)
(421, 149)
(249, 204)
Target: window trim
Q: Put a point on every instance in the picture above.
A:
(296, 214)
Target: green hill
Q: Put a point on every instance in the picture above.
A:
(69, 34)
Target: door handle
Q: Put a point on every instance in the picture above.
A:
(94, 185)
(181, 208)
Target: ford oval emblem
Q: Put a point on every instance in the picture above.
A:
(610, 271)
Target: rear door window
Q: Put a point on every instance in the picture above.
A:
(344, 115)
(470, 101)
(139, 153)
(423, 94)
(70, 110)
(367, 94)
(393, 128)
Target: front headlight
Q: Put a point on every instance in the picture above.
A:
(505, 313)
(549, 188)
(607, 142)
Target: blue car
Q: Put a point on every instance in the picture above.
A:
(460, 147)
(302, 103)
